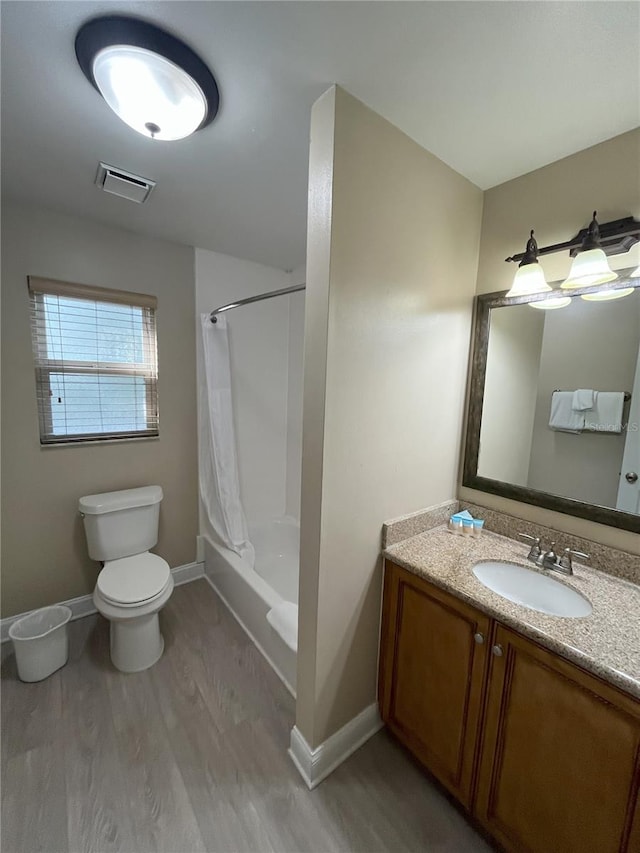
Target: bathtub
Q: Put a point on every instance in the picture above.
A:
(250, 593)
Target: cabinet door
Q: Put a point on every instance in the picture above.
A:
(432, 664)
(560, 763)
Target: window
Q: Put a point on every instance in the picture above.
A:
(95, 362)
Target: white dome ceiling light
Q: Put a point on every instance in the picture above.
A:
(150, 79)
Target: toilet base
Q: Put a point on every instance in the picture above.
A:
(136, 644)
(136, 641)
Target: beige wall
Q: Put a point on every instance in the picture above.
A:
(557, 201)
(392, 254)
(588, 345)
(513, 361)
(44, 556)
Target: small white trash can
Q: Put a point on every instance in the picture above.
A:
(40, 641)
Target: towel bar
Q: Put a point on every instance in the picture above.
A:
(627, 394)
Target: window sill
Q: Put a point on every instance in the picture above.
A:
(98, 442)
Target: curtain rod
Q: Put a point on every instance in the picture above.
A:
(283, 292)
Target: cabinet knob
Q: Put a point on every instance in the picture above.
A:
(479, 638)
(497, 650)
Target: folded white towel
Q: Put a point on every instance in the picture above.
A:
(583, 399)
(607, 413)
(283, 618)
(562, 417)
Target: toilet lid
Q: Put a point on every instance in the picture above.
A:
(133, 580)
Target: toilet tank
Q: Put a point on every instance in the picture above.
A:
(120, 524)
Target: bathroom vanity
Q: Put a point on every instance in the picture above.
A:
(531, 721)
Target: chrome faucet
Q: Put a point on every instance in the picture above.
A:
(549, 559)
(564, 565)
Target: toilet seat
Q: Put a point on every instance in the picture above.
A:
(132, 581)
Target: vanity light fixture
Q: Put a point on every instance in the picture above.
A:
(529, 277)
(607, 294)
(153, 81)
(590, 266)
(551, 303)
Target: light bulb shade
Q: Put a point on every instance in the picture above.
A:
(527, 280)
(607, 294)
(154, 82)
(551, 303)
(148, 92)
(588, 269)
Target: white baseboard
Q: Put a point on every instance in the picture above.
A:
(188, 572)
(84, 606)
(316, 764)
(249, 634)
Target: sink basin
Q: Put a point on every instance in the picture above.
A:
(532, 589)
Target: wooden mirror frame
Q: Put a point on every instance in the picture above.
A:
(477, 375)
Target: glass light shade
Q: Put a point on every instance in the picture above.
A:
(588, 269)
(606, 295)
(635, 273)
(148, 92)
(552, 303)
(527, 280)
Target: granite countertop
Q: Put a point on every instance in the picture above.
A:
(606, 643)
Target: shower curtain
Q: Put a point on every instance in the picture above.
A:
(219, 481)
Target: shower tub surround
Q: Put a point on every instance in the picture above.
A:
(250, 483)
(269, 587)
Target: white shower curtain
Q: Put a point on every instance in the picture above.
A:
(219, 480)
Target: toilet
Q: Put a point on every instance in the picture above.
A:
(133, 584)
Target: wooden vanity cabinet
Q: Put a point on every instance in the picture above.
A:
(560, 758)
(545, 755)
(432, 662)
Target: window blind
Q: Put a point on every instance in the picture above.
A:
(95, 355)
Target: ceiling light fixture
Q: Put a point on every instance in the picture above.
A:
(529, 277)
(153, 81)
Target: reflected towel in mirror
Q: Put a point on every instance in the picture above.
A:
(562, 417)
(607, 413)
(583, 399)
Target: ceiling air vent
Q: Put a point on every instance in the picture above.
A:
(125, 184)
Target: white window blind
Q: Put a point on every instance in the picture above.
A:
(95, 359)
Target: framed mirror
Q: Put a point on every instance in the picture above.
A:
(554, 403)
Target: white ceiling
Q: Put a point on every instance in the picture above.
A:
(495, 89)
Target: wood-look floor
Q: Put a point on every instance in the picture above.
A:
(191, 755)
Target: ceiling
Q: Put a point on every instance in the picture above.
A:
(495, 89)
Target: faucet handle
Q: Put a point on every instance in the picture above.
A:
(535, 550)
(565, 560)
